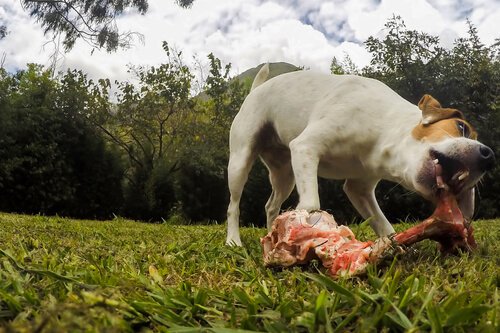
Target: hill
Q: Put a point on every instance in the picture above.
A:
(275, 69)
(62, 275)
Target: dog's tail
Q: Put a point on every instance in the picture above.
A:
(261, 76)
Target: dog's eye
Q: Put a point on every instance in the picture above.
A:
(463, 129)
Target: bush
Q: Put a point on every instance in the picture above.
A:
(51, 160)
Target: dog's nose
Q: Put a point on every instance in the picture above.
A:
(486, 158)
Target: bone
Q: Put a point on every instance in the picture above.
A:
(446, 225)
(298, 237)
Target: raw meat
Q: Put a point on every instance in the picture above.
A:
(446, 226)
(298, 237)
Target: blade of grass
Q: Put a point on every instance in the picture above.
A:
(331, 285)
(466, 315)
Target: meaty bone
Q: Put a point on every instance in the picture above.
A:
(446, 226)
(297, 237)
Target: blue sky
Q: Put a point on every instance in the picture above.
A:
(248, 32)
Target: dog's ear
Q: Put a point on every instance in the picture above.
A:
(433, 112)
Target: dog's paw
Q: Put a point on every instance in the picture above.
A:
(233, 242)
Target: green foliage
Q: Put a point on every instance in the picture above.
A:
(159, 190)
(92, 21)
(347, 66)
(201, 193)
(407, 60)
(184, 3)
(149, 125)
(173, 146)
(52, 161)
(165, 152)
(60, 275)
(201, 180)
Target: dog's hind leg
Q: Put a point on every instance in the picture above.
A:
(361, 193)
(240, 164)
(282, 182)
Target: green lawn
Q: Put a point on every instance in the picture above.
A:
(62, 275)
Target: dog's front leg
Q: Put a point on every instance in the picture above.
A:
(361, 193)
(305, 161)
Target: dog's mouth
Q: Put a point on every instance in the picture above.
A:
(451, 174)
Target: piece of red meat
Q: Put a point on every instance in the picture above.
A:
(446, 226)
(298, 237)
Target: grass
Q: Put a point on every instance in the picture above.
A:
(62, 275)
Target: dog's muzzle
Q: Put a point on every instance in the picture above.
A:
(486, 158)
(458, 171)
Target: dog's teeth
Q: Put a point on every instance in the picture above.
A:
(464, 175)
(436, 161)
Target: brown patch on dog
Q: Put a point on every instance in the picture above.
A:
(439, 123)
(269, 146)
(444, 129)
(433, 112)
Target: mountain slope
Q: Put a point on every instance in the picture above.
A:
(275, 69)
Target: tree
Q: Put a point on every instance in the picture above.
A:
(201, 183)
(92, 21)
(148, 125)
(52, 161)
(97, 170)
(406, 60)
(347, 66)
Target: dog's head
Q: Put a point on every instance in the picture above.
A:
(452, 148)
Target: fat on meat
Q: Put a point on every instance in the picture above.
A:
(298, 237)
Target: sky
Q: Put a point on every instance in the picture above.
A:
(246, 33)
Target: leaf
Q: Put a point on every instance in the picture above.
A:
(347, 319)
(243, 297)
(153, 272)
(465, 315)
(434, 319)
(183, 329)
(44, 272)
(428, 298)
(230, 330)
(401, 319)
(370, 297)
(320, 307)
(331, 285)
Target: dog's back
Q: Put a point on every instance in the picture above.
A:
(289, 102)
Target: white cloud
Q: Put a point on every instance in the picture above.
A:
(248, 32)
(419, 15)
(25, 42)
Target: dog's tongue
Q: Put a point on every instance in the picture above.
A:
(446, 225)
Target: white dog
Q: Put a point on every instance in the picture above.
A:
(304, 124)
